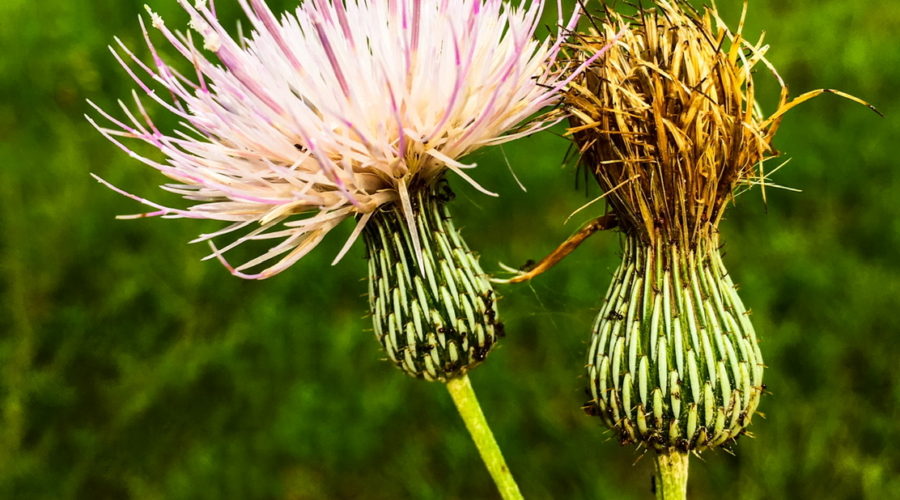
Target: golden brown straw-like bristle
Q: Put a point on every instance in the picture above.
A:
(669, 118)
(668, 123)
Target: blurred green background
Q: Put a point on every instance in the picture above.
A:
(130, 369)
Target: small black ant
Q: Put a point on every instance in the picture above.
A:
(591, 409)
(614, 316)
(444, 193)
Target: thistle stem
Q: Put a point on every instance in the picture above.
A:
(671, 475)
(467, 404)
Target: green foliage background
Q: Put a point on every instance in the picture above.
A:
(130, 369)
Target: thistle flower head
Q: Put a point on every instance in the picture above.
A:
(333, 111)
(669, 124)
(670, 128)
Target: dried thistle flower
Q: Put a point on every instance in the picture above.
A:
(669, 127)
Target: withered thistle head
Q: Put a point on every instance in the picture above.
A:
(668, 124)
(670, 128)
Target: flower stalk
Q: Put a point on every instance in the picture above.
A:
(463, 395)
(670, 481)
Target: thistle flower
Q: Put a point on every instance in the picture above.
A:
(670, 129)
(344, 110)
(352, 109)
(333, 112)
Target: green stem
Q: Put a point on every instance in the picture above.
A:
(467, 404)
(671, 475)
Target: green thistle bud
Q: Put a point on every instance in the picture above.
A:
(436, 317)
(674, 361)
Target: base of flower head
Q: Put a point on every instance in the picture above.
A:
(674, 362)
(436, 317)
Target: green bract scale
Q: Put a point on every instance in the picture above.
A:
(436, 317)
(674, 360)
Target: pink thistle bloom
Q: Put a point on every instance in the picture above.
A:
(333, 111)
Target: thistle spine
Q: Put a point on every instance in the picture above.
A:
(674, 361)
(438, 320)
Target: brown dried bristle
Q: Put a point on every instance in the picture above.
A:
(667, 120)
